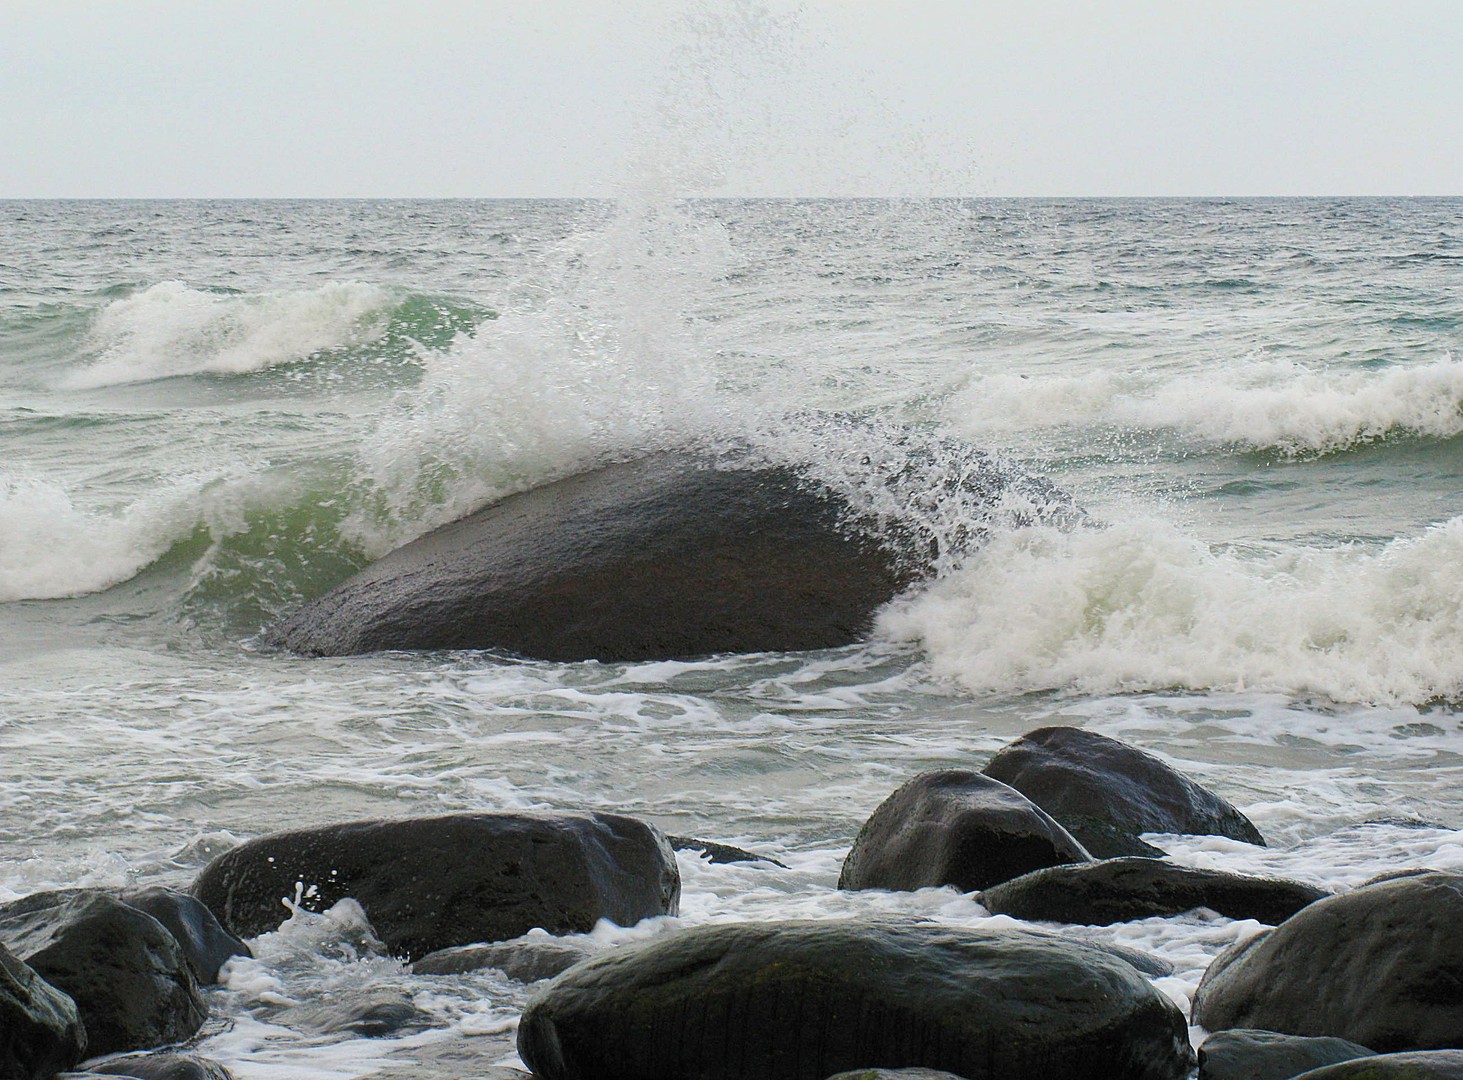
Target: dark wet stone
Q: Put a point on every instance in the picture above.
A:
(1120, 890)
(664, 557)
(720, 853)
(162, 1066)
(807, 1000)
(1418, 1065)
(1155, 967)
(126, 972)
(1106, 792)
(526, 959)
(206, 945)
(895, 1074)
(40, 1032)
(1248, 1054)
(1378, 966)
(373, 1012)
(432, 883)
(958, 828)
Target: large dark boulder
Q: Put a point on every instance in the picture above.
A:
(432, 883)
(1381, 966)
(126, 972)
(807, 1000)
(1106, 792)
(895, 1074)
(1248, 1054)
(1418, 1065)
(1119, 890)
(206, 945)
(40, 1032)
(667, 556)
(954, 827)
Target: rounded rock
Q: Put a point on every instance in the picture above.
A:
(954, 827)
(806, 1000)
(433, 883)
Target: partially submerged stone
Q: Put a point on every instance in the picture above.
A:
(954, 827)
(665, 557)
(806, 1000)
(1107, 793)
(432, 883)
(526, 959)
(1120, 890)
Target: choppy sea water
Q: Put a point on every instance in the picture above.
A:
(210, 411)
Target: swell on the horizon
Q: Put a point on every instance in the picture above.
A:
(1259, 405)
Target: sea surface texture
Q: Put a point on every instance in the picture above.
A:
(213, 411)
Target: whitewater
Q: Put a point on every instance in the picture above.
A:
(211, 412)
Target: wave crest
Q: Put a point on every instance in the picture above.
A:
(170, 329)
(1142, 606)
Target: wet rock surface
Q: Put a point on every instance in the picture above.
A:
(206, 945)
(125, 971)
(954, 827)
(40, 1031)
(1120, 890)
(1106, 792)
(1378, 966)
(807, 1000)
(433, 883)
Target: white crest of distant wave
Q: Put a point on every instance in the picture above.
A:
(1143, 606)
(170, 329)
(1256, 404)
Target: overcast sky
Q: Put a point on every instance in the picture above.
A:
(214, 98)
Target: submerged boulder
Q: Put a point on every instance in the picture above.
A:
(664, 557)
(526, 959)
(1418, 1065)
(432, 883)
(126, 972)
(1106, 792)
(954, 827)
(806, 1000)
(1248, 1054)
(40, 1032)
(1120, 890)
(1379, 966)
(161, 1066)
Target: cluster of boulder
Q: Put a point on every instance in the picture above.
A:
(1364, 984)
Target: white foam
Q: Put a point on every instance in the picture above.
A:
(1144, 606)
(1256, 404)
(170, 329)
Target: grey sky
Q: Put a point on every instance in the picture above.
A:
(114, 98)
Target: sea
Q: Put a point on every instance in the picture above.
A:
(213, 411)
